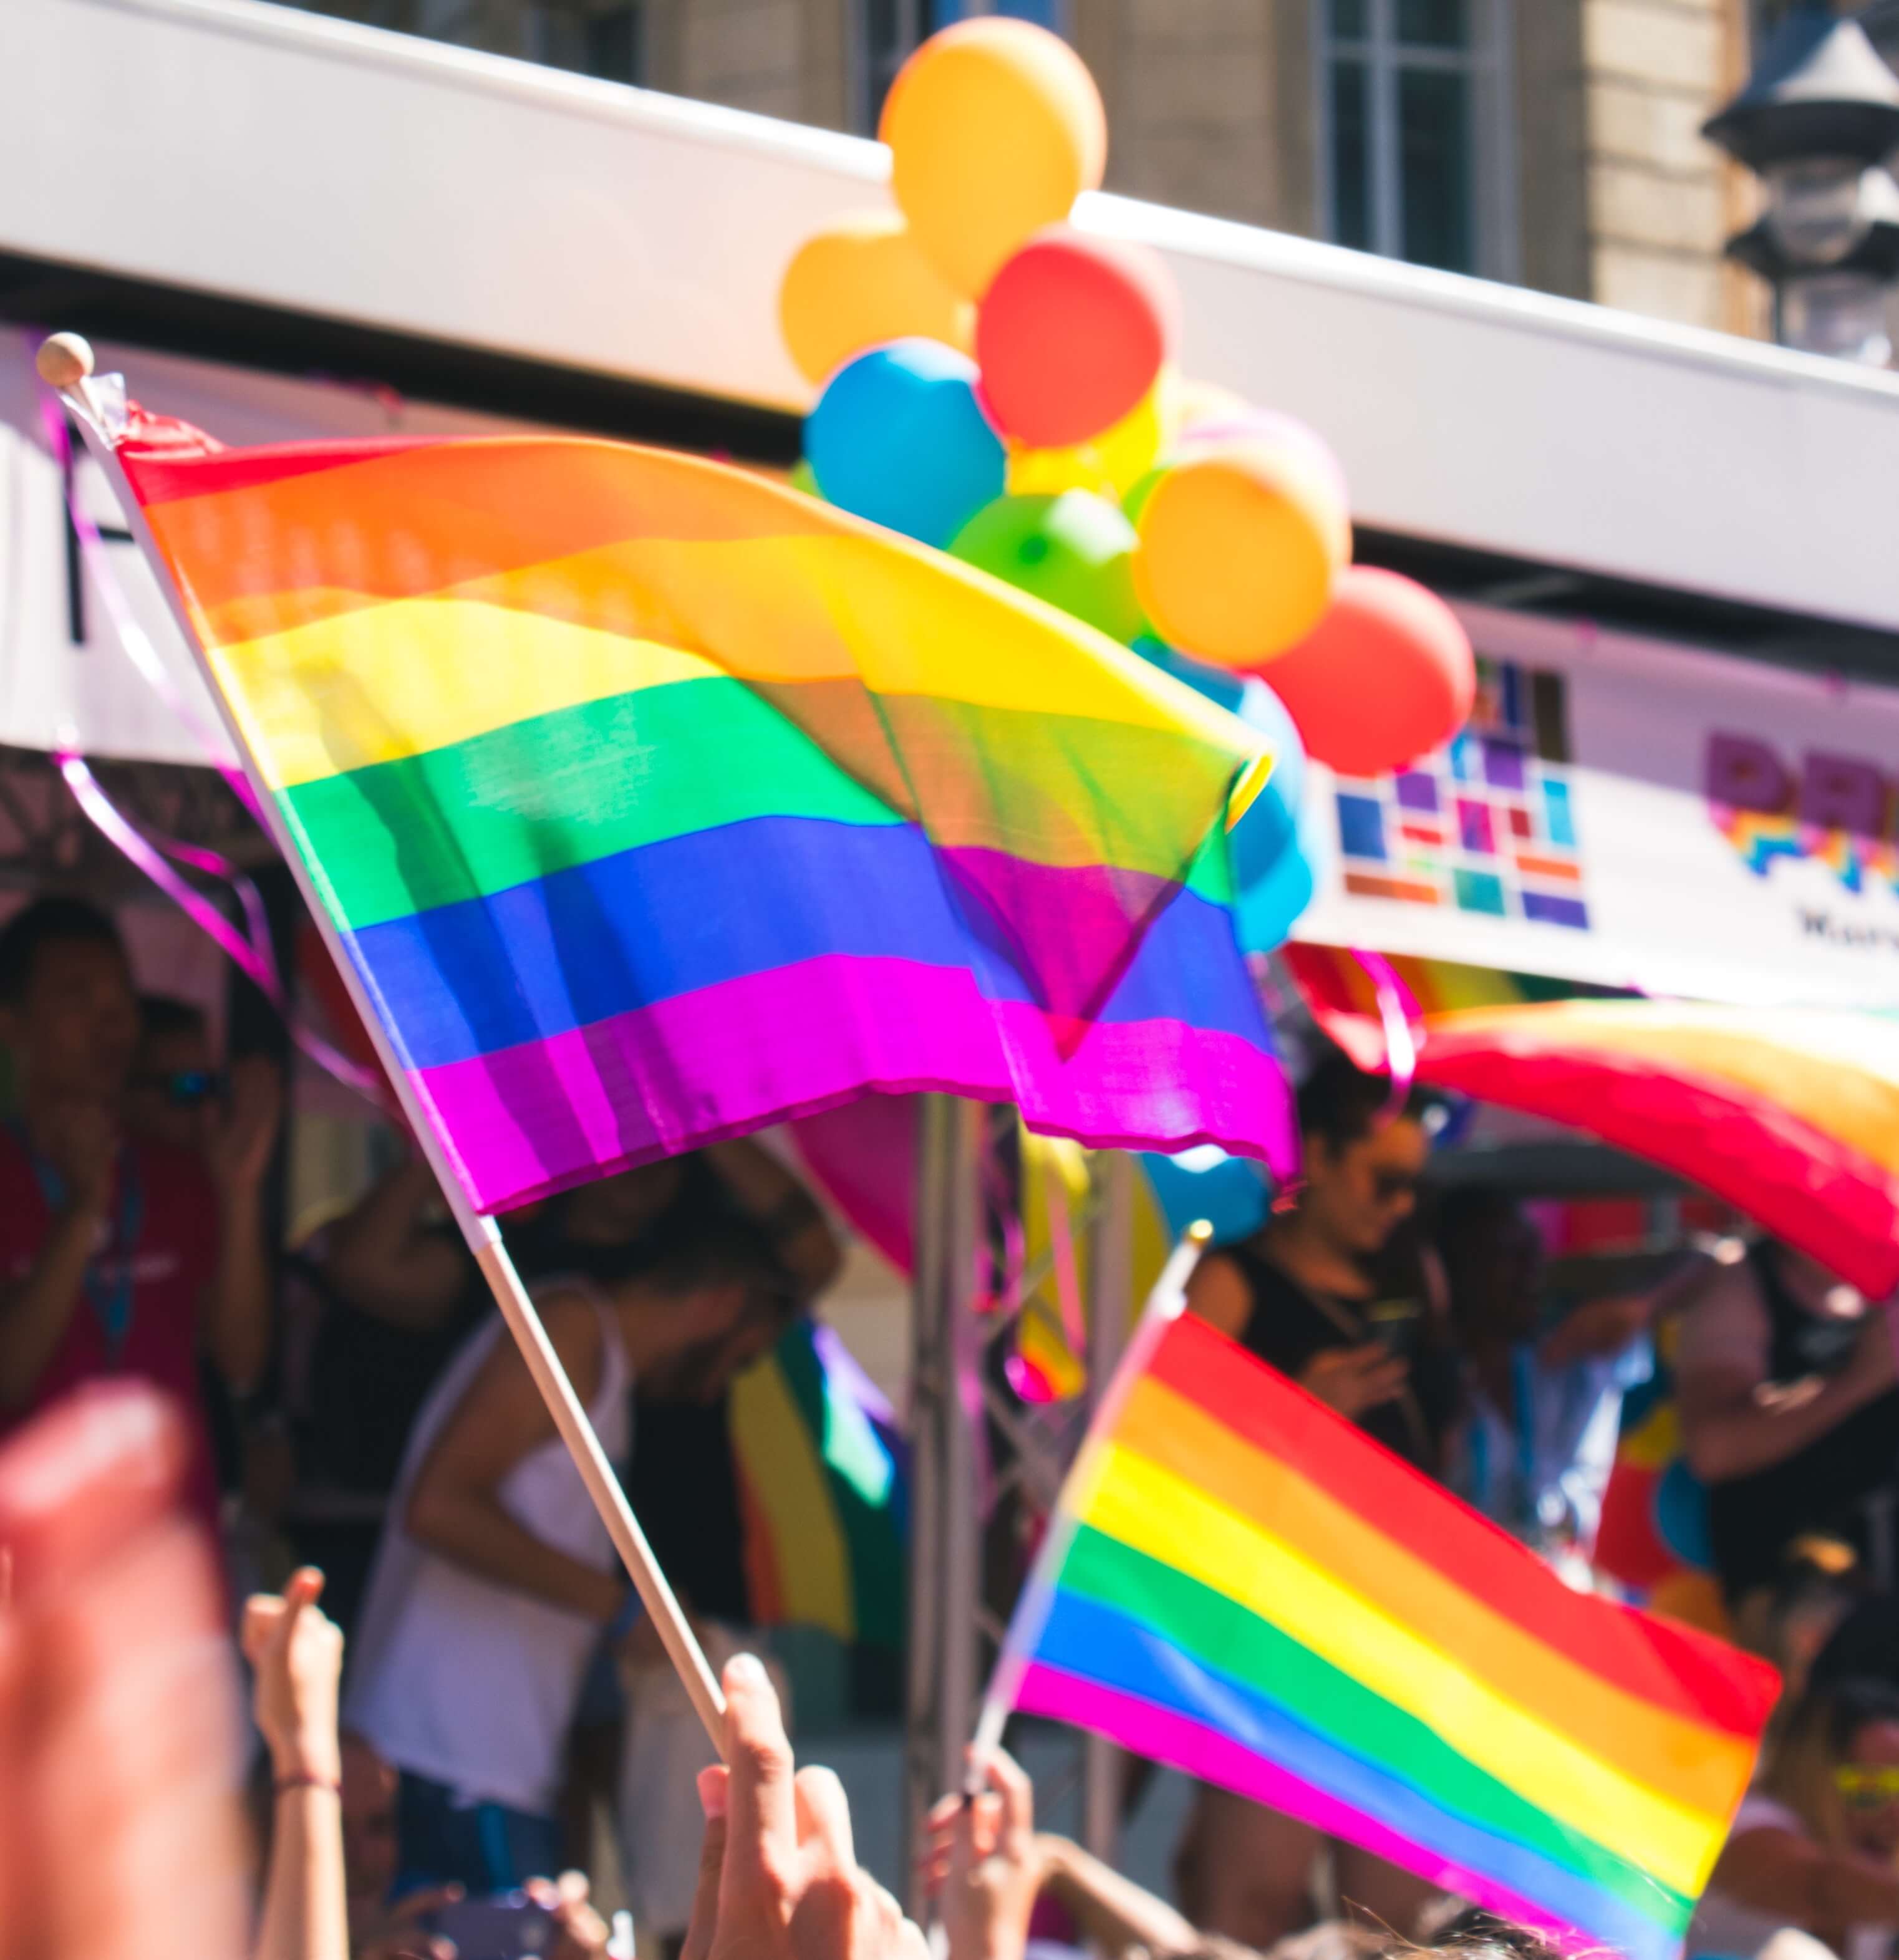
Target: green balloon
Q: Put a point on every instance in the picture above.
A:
(804, 477)
(1076, 550)
(1136, 500)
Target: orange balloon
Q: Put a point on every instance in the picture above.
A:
(1240, 545)
(995, 128)
(859, 283)
(1389, 674)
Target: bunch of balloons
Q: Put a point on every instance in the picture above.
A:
(999, 385)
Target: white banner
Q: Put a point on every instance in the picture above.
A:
(64, 677)
(1634, 814)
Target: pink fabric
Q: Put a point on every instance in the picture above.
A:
(1823, 1197)
(533, 1119)
(864, 1157)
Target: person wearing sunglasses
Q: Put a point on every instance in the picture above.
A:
(1331, 1289)
(1334, 1292)
(1815, 1845)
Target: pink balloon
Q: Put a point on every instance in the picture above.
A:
(1266, 425)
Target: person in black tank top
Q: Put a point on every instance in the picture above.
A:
(1333, 1292)
(1790, 1415)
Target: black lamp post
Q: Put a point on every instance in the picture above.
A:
(1816, 122)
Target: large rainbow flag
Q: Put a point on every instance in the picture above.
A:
(1240, 1583)
(655, 803)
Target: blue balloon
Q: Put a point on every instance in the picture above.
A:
(1271, 847)
(1266, 909)
(1274, 847)
(898, 437)
(1217, 684)
(1230, 1193)
(1263, 709)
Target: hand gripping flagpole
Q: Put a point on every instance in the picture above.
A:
(64, 363)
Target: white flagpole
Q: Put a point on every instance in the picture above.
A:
(65, 364)
(1164, 1305)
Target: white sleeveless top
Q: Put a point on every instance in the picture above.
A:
(457, 1677)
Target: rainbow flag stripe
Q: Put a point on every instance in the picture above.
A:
(656, 802)
(1250, 1588)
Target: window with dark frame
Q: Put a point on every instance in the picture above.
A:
(596, 37)
(1403, 89)
(891, 29)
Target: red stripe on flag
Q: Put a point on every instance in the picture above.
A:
(161, 479)
(1670, 1665)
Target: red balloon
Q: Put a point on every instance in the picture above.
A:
(1071, 334)
(1389, 674)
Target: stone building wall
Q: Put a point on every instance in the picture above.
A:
(1662, 200)
(1212, 107)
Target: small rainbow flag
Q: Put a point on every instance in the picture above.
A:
(655, 803)
(822, 1474)
(1241, 1583)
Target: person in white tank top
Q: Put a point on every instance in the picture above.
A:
(495, 1577)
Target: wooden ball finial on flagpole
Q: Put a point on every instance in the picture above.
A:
(64, 361)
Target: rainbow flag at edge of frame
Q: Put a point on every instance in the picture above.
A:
(655, 803)
(1253, 1591)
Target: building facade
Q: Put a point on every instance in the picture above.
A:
(1552, 143)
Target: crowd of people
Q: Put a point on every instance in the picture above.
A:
(450, 1675)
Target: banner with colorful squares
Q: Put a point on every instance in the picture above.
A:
(1486, 825)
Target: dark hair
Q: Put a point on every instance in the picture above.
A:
(45, 922)
(692, 1248)
(1339, 1102)
(1475, 1932)
(1850, 1704)
(1465, 1208)
(1864, 1648)
(162, 1014)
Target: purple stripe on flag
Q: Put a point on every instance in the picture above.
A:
(685, 1072)
(1165, 1737)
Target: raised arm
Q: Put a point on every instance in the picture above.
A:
(1733, 1423)
(383, 1257)
(1803, 1883)
(81, 1142)
(296, 1656)
(1607, 1324)
(238, 1142)
(455, 1506)
(1113, 1912)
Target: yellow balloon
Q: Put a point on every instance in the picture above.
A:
(1132, 446)
(1239, 549)
(1196, 402)
(995, 128)
(1109, 465)
(1048, 473)
(860, 282)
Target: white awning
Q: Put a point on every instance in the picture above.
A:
(259, 153)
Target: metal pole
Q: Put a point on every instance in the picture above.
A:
(1110, 1309)
(946, 1404)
